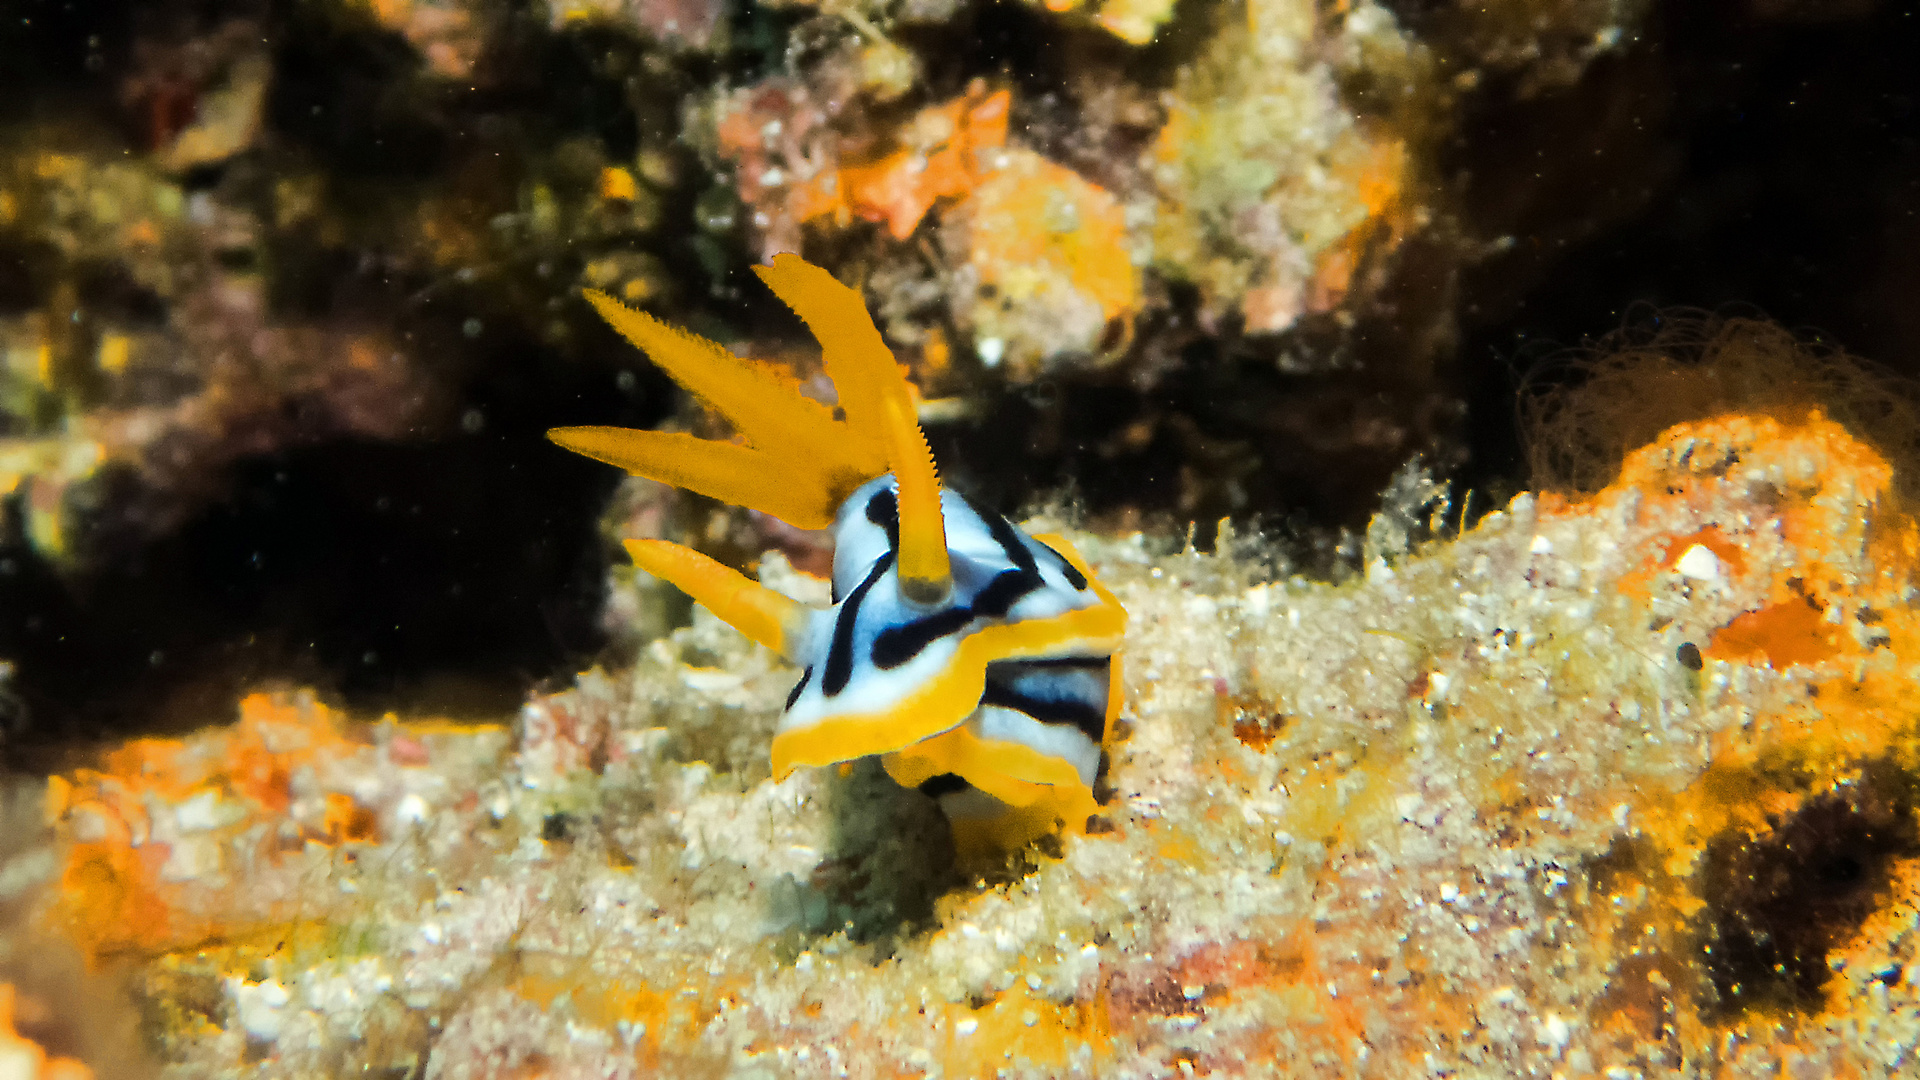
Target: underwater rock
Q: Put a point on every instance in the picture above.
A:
(1275, 197)
(689, 24)
(792, 168)
(1049, 270)
(25, 1059)
(1132, 21)
(1609, 785)
(449, 35)
(1546, 44)
(1264, 187)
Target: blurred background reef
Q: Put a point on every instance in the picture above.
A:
(289, 287)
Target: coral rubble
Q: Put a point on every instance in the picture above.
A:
(1615, 785)
(1293, 155)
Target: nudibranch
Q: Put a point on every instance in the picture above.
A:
(978, 662)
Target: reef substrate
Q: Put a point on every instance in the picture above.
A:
(1621, 786)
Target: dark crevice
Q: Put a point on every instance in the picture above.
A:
(1780, 902)
(453, 571)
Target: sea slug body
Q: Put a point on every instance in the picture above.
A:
(975, 660)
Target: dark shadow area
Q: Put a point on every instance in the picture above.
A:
(392, 576)
(1779, 902)
(1725, 161)
(892, 858)
(352, 95)
(1215, 437)
(56, 51)
(452, 572)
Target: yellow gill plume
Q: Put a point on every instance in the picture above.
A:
(879, 405)
(728, 472)
(799, 463)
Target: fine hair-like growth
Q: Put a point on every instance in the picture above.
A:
(1583, 412)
